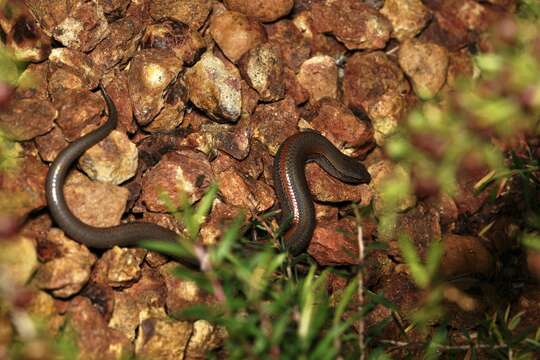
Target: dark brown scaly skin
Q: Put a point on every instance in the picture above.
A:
(94, 237)
(298, 212)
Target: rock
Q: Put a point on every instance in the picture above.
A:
(95, 203)
(295, 48)
(48, 13)
(113, 160)
(421, 225)
(465, 255)
(245, 192)
(37, 227)
(150, 72)
(381, 172)
(319, 76)
(119, 267)
(25, 38)
(115, 8)
(163, 339)
(50, 144)
(275, 122)
(339, 125)
(27, 118)
(471, 170)
(355, 24)
(32, 83)
(205, 337)
(326, 188)
(144, 299)
(262, 67)
(23, 190)
(233, 139)
(95, 340)
(181, 293)
(265, 11)
(335, 242)
(69, 271)
(172, 114)
(191, 12)
(18, 260)
(177, 36)
(72, 69)
(179, 173)
(446, 29)
(376, 86)
(116, 85)
(78, 112)
(236, 34)
(426, 65)
(446, 207)
(293, 88)
(120, 45)
(408, 17)
(460, 65)
(214, 87)
(43, 306)
(83, 28)
(528, 305)
(533, 263)
(218, 222)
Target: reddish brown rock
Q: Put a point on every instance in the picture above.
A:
(50, 144)
(335, 243)
(465, 255)
(115, 8)
(426, 65)
(445, 206)
(116, 85)
(319, 75)
(329, 189)
(120, 45)
(470, 171)
(293, 87)
(150, 72)
(163, 338)
(72, 69)
(69, 271)
(235, 140)
(262, 67)
(95, 340)
(245, 192)
(533, 263)
(23, 190)
(113, 160)
(355, 24)
(460, 66)
(421, 225)
(78, 112)
(236, 34)
(24, 37)
(218, 222)
(186, 43)
(295, 48)
(94, 203)
(83, 28)
(408, 17)
(181, 293)
(214, 86)
(191, 12)
(528, 305)
(43, 306)
(27, 118)
(32, 83)
(145, 298)
(179, 173)
(37, 227)
(337, 123)
(375, 85)
(446, 29)
(172, 114)
(275, 122)
(263, 10)
(48, 13)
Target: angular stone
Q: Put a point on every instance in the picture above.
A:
(18, 260)
(69, 271)
(245, 192)
(83, 28)
(191, 12)
(113, 160)
(335, 243)
(295, 48)
(319, 76)
(465, 255)
(205, 337)
(27, 118)
(263, 10)
(426, 65)
(275, 122)
(50, 144)
(179, 173)
(163, 339)
(236, 34)
(214, 86)
(408, 17)
(81, 71)
(150, 72)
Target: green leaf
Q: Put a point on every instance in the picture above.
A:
(531, 240)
